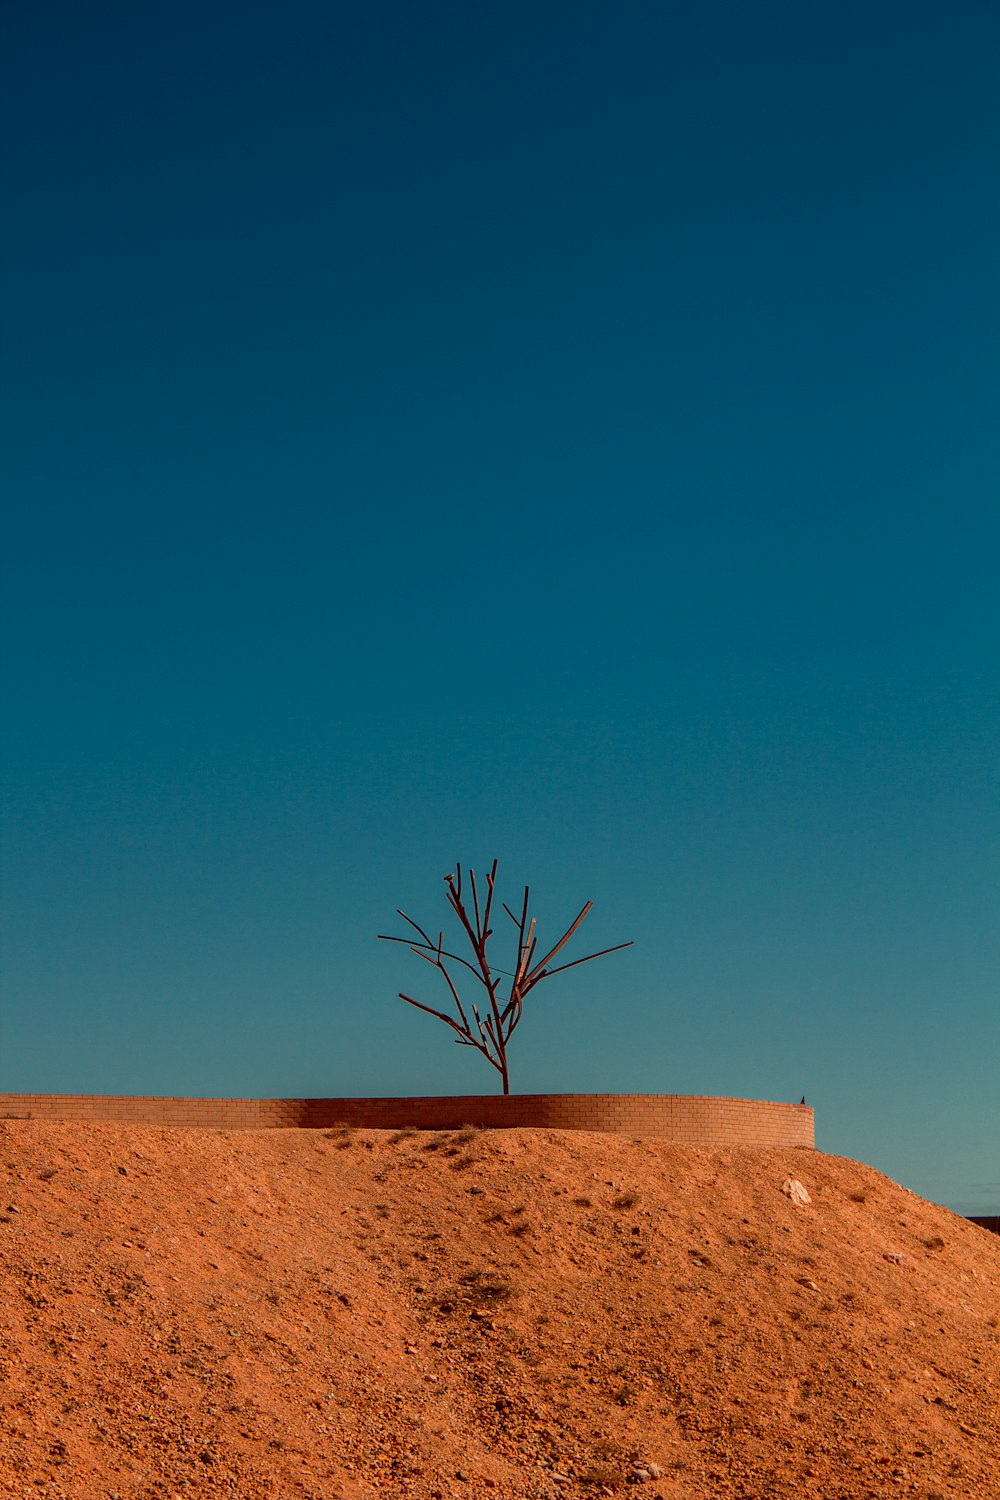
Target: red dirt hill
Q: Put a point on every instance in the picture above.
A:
(526, 1314)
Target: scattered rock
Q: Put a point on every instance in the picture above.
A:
(792, 1188)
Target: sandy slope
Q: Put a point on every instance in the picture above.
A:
(513, 1313)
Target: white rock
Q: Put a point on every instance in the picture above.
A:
(794, 1189)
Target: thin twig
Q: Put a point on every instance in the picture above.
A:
(416, 925)
(387, 937)
(561, 967)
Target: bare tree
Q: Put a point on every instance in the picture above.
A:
(489, 1034)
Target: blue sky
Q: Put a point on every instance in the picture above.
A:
(559, 432)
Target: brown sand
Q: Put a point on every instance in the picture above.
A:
(523, 1313)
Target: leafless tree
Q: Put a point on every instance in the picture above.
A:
(489, 1033)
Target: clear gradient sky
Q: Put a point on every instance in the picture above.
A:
(565, 432)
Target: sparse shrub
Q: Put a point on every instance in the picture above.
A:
(341, 1134)
(583, 1203)
(626, 1200)
(465, 1135)
(495, 1289)
(522, 1227)
(406, 1133)
(935, 1242)
(481, 1286)
(858, 1197)
(599, 1475)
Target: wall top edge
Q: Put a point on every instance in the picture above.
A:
(500, 1100)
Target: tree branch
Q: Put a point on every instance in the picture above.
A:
(559, 969)
(553, 951)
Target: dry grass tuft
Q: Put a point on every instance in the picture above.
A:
(483, 1286)
(600, 1475)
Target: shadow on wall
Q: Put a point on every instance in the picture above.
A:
(696, 1120)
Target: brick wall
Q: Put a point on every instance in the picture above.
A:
(690, 1119)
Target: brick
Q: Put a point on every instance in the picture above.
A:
(694, 1119)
